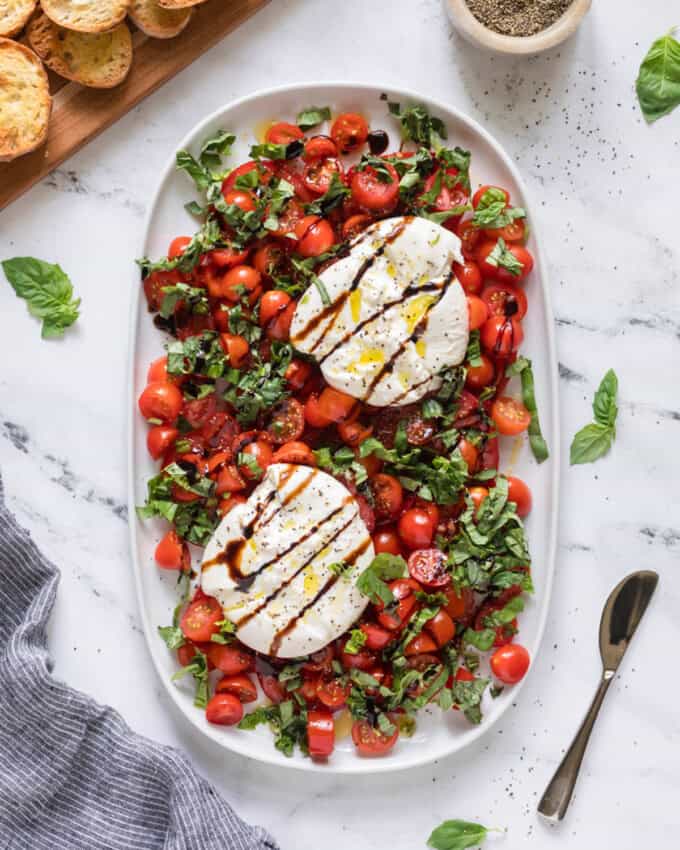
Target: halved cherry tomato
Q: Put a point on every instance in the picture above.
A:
(362, 660)
(510, 416)
(314, 415)
(158, 371)
(241, 686)
(282, 133)
(386, 539)
(469, 236)
(225, 258)
(448, 197)
(416, 528)
(333, 694)
(515, 231)
(501, 336)
(229, 658)
(273, 689)
(510, 663)
(499, 272)
(520, 494)
(263, 167)
(374, 191)
(229, 480)
(308, 689)
(154, 284)
(319, 147)
(236, 348)
(272, 303)
(377, 638)
(394, 618)
(477, 312)
(504, 299)
(287, 421)
(428, 566)
(239, 281)
(159, 439)
(320, 662)
(354, 433)
(318, 174)
(478, 494)
(336, 406)
(268, 259)
(366, 512)
(349, 131)
(224, 709)
(288, 219)
(371, 463)
(297, 374)
(242, 199)
(441, 627)
(355, 224)
(477, 197)
(490, 454)
(185, 653)
(457, 603)
(315, 236)
(294, 452)
(464, 675)
(160, 400)
(419, 645)
(370, 741)
(388, 495)
(469, 277)
(261, 451)
(172, 553)
(200, 619)
(469, 453)
(478, 377)
(320, 733)
(178, 246)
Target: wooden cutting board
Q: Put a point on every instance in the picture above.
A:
(79, 114)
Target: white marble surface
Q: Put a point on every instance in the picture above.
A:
(609, 212)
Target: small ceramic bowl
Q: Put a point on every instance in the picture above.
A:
(474, 31)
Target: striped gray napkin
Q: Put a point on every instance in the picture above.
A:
(73, 776)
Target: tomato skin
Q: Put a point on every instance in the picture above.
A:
(159, 439)
(172, 552)
(478, 494)
(318, 174)
(262, 451)
(469, 277)
(478, 377)
(372, 194)
(158, 371)
(241, 686)
(236, 348)
(477, 197)
(264, 167)
(240, 198)
(386, 539)
(448, 197)
(229, 659)
(349, 131)
(354, 433)
(314, 416)
(469, 236)
(287, 421)
(510, 416)
(520, 494)
(477, 312)
(504, 299)
(230, 502)
(161, 400)
(272, 688)
(416, 528)
(362, 660)
(297, 374)
(457, 604)
(178, 246)
(371, 742)
(294, 452)
(224, 709)
(237, 280)
(333, 694)
(388, 496)
(315, 236)
(336, 406)
(501, 336)
(428, 567)
(229, 480)
(513, 232)
(355, 224)
(403, 590)
(419, 645)
(319, 147)
(377, 638)
(366, 512)
(510, 663)
(499, 272)
(320, 733)
(199, 620)
(469, 454)
(282, 133)
(441, 627)
(268, 258)
(271, 304)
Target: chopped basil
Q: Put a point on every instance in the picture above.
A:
(312, 117)
(357, 639)
(372, 581)
(172, 636)
(192, 297)
(269, 150)
(417, 125)
(522, 367)
(503, 257)
(198, 667)
(492, 211)
(332, 197)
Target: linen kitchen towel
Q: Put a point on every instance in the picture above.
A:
(73, 776)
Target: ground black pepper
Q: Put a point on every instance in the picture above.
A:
(518, 17)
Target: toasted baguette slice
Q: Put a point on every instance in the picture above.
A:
(179, 4)
(86, 15)
(14, 14)
(25, 101)
(156, 21)
(99, 60)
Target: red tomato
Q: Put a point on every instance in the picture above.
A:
(441, 627)
(366, 512)
(271, 304)
(297, 374)
(478, 494)
(469, 277)
(240, 686)
(287, 421)
(225, 258)
(504, 299)
(362, 660)
(320, 661)
(294, 452)
(320, 733)
(469, 453)
(319, 173)
(226, 505)
(242, 199)
(490, 454)
(520, 494)
(161, 400)
(388, 496)
(464, 675)
(469, 236)
(283, 133)
(513, 232)
(272, 688)
(477, 312)
(319, 147)
(315, 236)
(477, 197)
(236, 348)
(268, 259)
(420, 644)
(510, 416)
(416, 528)
(229, 480)
(230, 659)
(336, 406)
(377, 638)
(349, 131)
(172, 553)
(457, 603)
(510, 663)
(386, 539)
(264, 168)
(154, 284)
(448, 198)
(402, 590)
(354, 433)
(478, 377)
(261, 450)
(199, 620)
(370, 741)
(288, 219)
(428, 566)
(178, 246)
(159, 439)
(237, 282)
(199, 410)
(314, 416)
(224, 709)
(372, 193)
(333, 694)
(501, 336)
(158, 371)
(500, 272)
(355, 224)
(186, 653)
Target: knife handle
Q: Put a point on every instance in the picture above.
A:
(557, 795)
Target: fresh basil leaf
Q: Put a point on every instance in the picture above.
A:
(492, 211)
(208, 237)
(214, 148)
(658, 82)
(198, 667)
(474, 350)
(502, 256)
(312, 278)
(269, 150)
(312, 117)
(357, 639)
(172, 636)
(417, 125)
(372, 581)
(194, 208)
(47, 290)
(605, 409)
(332, 197)
(481, 639)
(193, 298)
(594, 440)
(184, 161)
(197, 355)
(457, 835)
(432, 409)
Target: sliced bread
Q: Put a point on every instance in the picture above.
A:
(25, 101)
